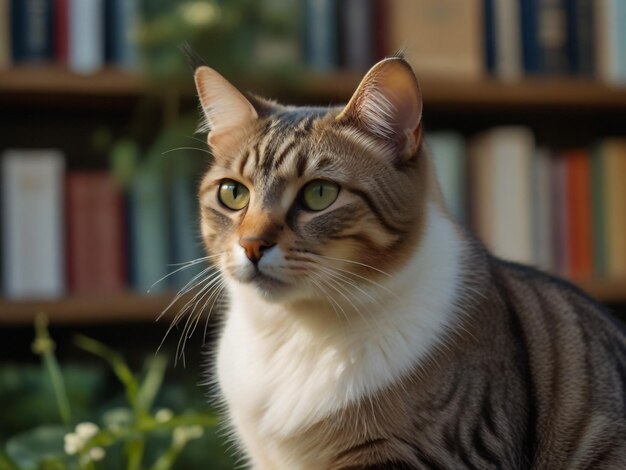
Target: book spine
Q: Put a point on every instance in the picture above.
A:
(32, 213)
(490, 35)
(578, 204)
(380, 36)
(357, 26)
(32, 32)
(149, 232)
(122, 18)
(581, 37)
(96, 261)
(5, 34)
(598, 212)
(86, 35)
(321, 34)
(530, 46)
(61, 31)
(552, 37)
(508, 60)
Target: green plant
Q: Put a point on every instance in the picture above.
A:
(136, 436)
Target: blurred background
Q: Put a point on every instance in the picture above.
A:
(525, 112)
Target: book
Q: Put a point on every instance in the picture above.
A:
(598, 211)
(610, 41)
(541, 209)
(95, 233)
(579, 219)
(185, 218)
(149, 237)
(544, 36)
(321, 34)
(439, 37)
(86, 36)
(507, 39)
(32, 224)
(560, 237)
(380, 33)
(356, 22)
(581, 35)
(500, 162)
(122, 21)
(614, 195)
(448, 154)
(31, 30)
(5, 33)
(61, 31)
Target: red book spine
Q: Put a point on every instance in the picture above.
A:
(381, 30)
(95, 228)
(579, 214)
(61, 31)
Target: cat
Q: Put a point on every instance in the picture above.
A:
(365, 328)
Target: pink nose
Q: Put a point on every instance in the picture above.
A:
(255, 247)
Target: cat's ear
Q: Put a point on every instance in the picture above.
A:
(226, 110)
(388, 105)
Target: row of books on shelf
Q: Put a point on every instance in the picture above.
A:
(81, 232)
(563, 211)
(473, 38)
(78, 232)
(462, 38)
(82, 35)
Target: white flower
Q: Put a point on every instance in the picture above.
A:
(96, 454)
(163, 415)
(87, 430)
(199, 13)
(72, 443)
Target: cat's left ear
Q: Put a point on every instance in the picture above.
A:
(226, 110)
(388, 105)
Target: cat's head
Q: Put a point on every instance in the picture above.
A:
(300, 201)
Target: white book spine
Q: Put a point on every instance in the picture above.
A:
(86, 35)
(32, 222)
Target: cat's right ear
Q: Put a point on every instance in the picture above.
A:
(227, 112)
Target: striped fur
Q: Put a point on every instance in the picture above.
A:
(377, 333)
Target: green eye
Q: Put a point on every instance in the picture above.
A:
(233, 195)
(319, 194)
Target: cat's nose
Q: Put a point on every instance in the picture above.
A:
(255, 246)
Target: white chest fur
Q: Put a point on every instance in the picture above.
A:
(279, 373)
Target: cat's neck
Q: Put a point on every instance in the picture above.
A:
(339, 360)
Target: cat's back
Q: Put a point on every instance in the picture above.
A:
(577, 364)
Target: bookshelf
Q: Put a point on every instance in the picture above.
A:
(40, 86)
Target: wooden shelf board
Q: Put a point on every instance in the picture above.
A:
(125, 307)
(568, 92)
(130, 307)
(44, 79)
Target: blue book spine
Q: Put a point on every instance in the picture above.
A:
(32, 36)
(490, 39)
(122, 17)
(530, 45)
(580, 31)
(185, 226)
(321, 31)
(86, 35)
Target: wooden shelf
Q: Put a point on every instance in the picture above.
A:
(539, 93)
(126, 307)
(138, 308)
(56, 80)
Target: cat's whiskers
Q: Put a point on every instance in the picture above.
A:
(183, 266)
(331, 271)
(186, 288)
(320, 285)
(206, 289)
(184, 309)
(186, 148)
(355, 262)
